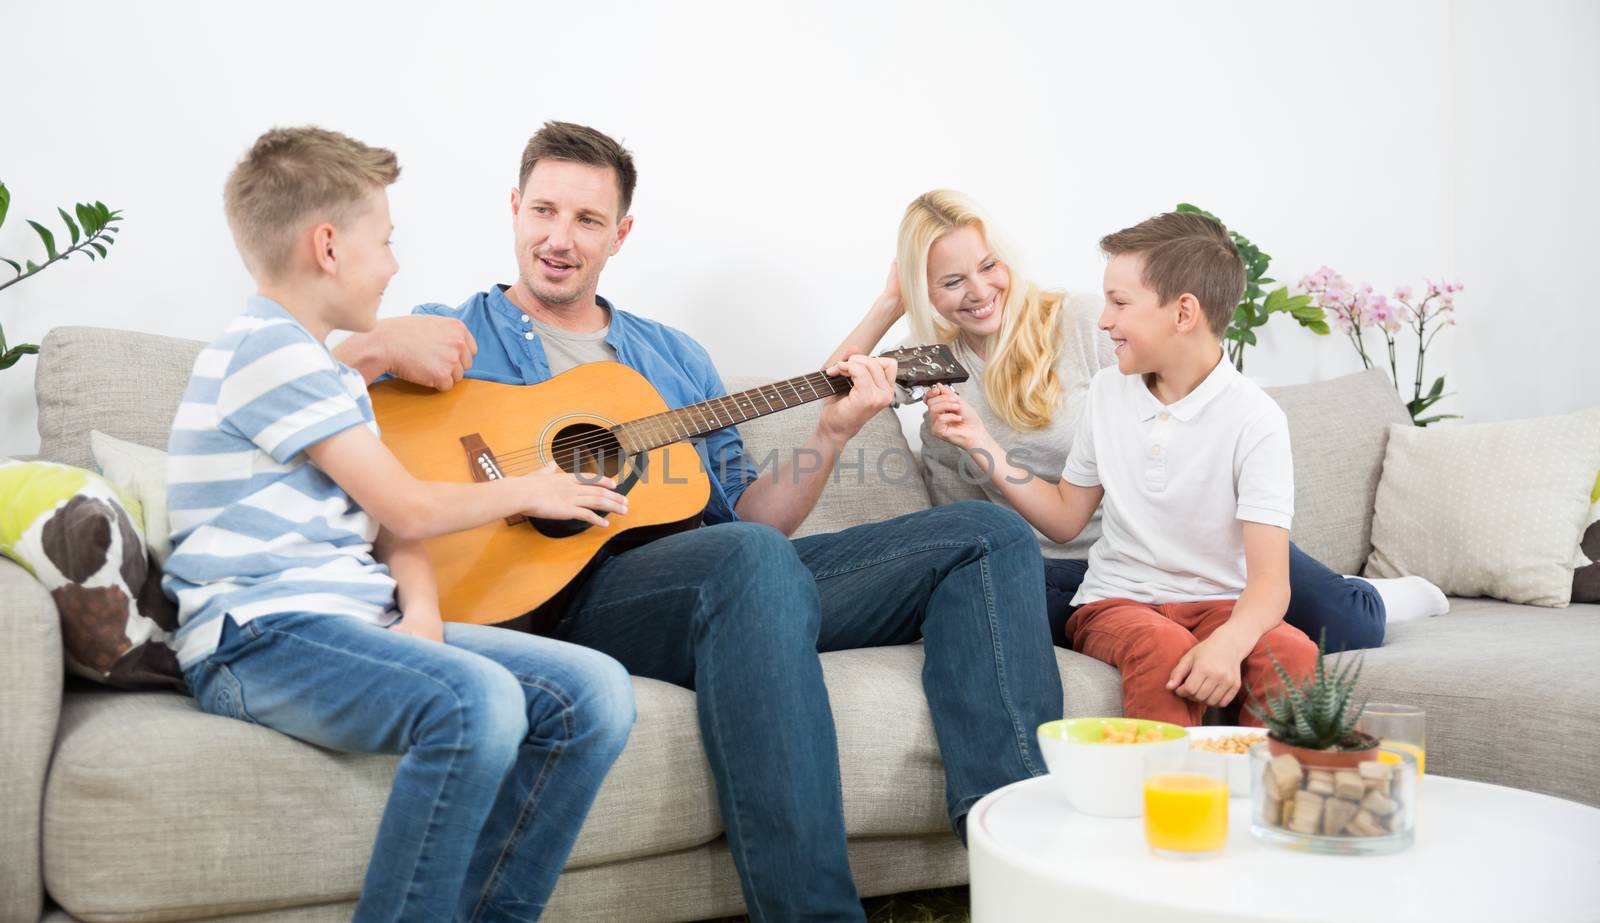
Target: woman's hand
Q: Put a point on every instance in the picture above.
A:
(951, 420)
(889, 305)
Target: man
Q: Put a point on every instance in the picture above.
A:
(735, 610)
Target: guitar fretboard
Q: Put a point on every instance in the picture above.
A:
(661, 429)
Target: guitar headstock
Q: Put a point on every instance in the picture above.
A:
(922, 367)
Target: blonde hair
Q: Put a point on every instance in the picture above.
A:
(1020, 378)
(290, 175)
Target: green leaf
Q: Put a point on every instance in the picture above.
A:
(1249, 336)
(13, 264)
(70, 226)
(87, 218)
(1424, 421)
(45, 235)
(1265, 281)
(1277, 300)
(1438, 386)
(1318, 327)
(98, 249)
(11, 356)
(101, 210)
(32, 266)
(5, 202)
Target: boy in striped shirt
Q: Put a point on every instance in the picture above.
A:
(306, 602)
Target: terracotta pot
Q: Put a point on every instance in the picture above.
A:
(1326, 759)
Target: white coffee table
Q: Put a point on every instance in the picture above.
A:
(1482, 853)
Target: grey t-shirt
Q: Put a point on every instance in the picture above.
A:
(952, 477)
(564, 349)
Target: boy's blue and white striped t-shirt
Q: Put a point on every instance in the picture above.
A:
(257, 529)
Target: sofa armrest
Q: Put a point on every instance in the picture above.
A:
(30, 708)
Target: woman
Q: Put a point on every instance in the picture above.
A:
(1031, 354)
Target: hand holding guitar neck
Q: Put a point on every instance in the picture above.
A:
(871, 390)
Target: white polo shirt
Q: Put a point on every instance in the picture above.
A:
(1180, 481)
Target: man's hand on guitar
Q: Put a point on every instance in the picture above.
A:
(871, 390)
(555, 494)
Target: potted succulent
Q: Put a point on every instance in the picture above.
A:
(1320, 783)
(1315, 719)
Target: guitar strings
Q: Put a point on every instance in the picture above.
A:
(594, 444)
(590, 443)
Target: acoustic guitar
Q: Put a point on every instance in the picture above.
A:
(599, 418)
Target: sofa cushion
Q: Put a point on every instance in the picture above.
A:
(80, 537)
(282, 823)
(1509, 692)
(154, 807)
(1487, 509)
(1586, 578)
(140, 471)
(876, 477)
(119, 382)
(1337, 433)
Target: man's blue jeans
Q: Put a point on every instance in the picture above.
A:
(738, 613)
(504, 738)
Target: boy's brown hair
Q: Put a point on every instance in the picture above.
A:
(1186, 252)
(580, 144)
(293, 174)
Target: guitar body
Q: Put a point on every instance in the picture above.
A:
(499, 571)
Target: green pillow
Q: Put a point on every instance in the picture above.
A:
(81, 538)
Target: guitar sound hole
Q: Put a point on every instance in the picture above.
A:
(590, 450)
(584, 448)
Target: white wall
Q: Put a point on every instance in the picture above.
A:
(777, 146)
(1526, 90)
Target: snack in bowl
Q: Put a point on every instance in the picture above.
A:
(1099, 763)
(1232, 746)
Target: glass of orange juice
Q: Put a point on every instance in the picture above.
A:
(1186, 806)
(1399, 727)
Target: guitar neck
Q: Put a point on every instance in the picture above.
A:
(661, 429)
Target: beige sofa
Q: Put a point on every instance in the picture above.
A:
(122, 806)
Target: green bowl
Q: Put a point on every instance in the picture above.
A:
(1091, 730)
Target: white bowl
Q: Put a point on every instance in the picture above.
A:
(1107, 779)
(1238, 763)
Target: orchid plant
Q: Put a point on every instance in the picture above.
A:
(1357, 308)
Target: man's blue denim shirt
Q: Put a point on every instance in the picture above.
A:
(680, 369)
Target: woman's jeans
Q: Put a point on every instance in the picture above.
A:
(1349, 611)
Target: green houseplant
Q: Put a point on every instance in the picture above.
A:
(91, 234)
(1258, 305)
(1315, 717)
(1320, 784)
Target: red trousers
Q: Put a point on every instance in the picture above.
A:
(1146, 642)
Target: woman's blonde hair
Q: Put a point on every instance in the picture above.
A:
(1020, 379)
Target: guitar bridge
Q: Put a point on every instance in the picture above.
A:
(485, 467)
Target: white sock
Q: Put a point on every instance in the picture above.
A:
(1408, 598)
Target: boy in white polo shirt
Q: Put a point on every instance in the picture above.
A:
(1187, 587)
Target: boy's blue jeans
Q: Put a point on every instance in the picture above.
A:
(738, 613)
(504, 738)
